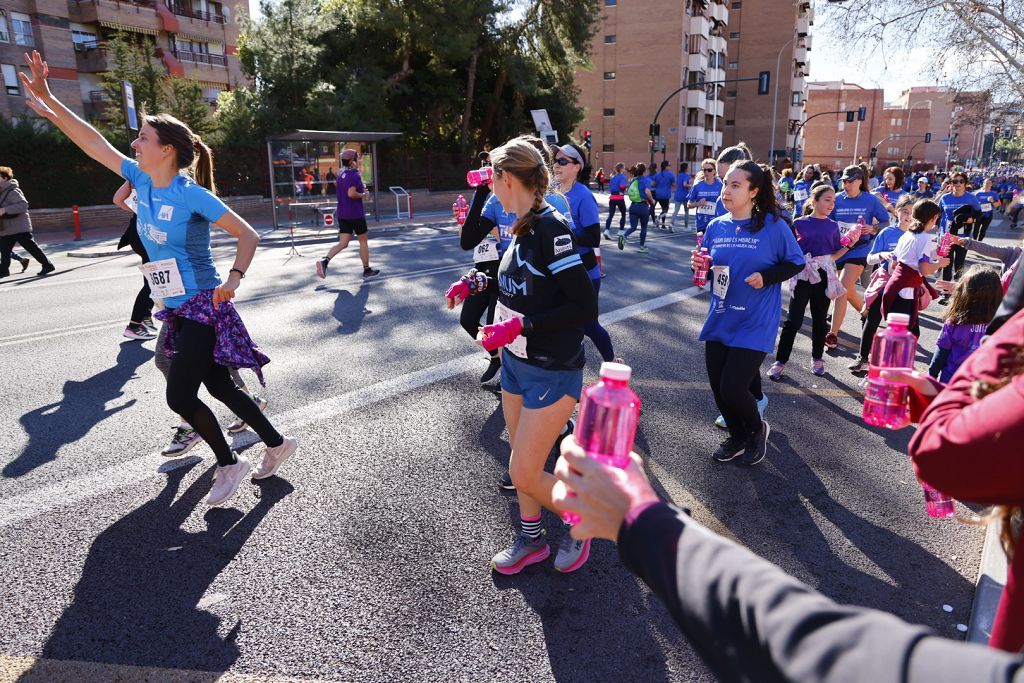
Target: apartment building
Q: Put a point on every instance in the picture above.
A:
(770, 35)
(195, 39)
(644, 50)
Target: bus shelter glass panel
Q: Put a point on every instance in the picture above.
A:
(304, 179)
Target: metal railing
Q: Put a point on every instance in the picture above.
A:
(186, 11)
(200, 58)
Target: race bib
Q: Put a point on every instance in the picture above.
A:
(164, 278)
(706, 209)
(987, 207)
(503, 313)
(133, 202)
(486, 250)
(800, 195)
(720, 281)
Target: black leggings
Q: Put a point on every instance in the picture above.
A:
(869, 326)
(735, 376)
(981, 227)
(7, 243)
(803, 293)
(193, 365)
(474, 307)
(143, 307)
(957, 257)
(613, 206)
(663, 203)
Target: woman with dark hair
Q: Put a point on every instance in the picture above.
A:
(640, 199)
(616, 200)
(957, 197)
(891, 188)
(705, 194)
(988, 199)
(202, 331)
(752, 251)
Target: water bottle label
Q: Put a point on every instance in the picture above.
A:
(886, 394)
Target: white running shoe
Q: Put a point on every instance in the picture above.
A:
(226, 480)
(273, 458)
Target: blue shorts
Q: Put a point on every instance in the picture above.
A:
(539, 388)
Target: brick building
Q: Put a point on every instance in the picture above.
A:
(195, 39)
(767, 35)
(643, 50)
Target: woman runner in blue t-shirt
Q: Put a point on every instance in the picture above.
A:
(174, 217)
(752, 251)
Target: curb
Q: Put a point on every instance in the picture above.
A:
(991, 579)
(265, 239)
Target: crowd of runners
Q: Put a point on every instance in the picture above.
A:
(857, 243)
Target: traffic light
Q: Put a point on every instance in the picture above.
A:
(850, 115)
(650, 144)
(997, 131)
(928, 137)
(654, 130)
(862, 113)
(587, 139)
(874, 152)
(764, 79)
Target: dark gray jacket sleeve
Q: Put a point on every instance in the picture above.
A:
(750, 621)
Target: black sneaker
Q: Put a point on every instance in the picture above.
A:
(492, 369)
(757, 446)
(505, 483)
(859, 366)
(370, 272)
(729, 449)
(47, 269)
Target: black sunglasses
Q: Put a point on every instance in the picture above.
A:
(959, 181)
(708, 170)
(564, 161)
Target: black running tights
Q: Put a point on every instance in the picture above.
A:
(735, 376)
(803, 293)
(193, 365)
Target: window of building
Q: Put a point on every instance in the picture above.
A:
(611, 3)
(797, 99)
(696, 44)
(608, 148)
(609, 75)
(22, 25)
(11, 79)
(609, 40)
(839, 145)
(734, 65)
(730, 122)
(730, 93)
(83, 38)
(4, 36)
(609, 112)
(737, 5)
(734, 35)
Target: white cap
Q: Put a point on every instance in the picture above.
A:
(898, 318)
(616, 371)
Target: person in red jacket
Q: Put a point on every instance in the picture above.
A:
(968, 446)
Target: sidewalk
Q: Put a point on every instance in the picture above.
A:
(104, 244)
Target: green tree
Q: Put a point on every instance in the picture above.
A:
(185, 101)
(132, 59)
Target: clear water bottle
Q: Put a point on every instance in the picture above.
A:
(609, 413)
(937, 503)
(886, 403)
(945, 242)
(479, 176)
(461, 210)
(700, 276)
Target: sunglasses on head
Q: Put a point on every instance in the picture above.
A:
(564, 161)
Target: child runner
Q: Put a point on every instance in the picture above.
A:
(351, 215)
(818, 238)
(975, 301)
(705, 193)
(616, 200)
(174, 216)
(891, 188)
(752, 251)
(640, 199)
(545, 297)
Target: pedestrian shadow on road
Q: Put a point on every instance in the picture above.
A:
(138, 600)
(83, 406)
(350, 309)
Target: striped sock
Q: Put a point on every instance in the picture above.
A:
(530, 526)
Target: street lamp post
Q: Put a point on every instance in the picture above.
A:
(906, 129)
(775, 104)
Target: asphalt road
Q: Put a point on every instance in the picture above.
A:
(366, 559)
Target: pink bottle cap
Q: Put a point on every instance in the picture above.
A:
(616, 371)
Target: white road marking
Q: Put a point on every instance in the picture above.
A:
(81, 488)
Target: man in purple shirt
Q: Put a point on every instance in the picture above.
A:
(350, 214)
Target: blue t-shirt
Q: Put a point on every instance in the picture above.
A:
(817, 236)
(885, 241)
(174, 222)
(848, 210)
(617, 185)
(665, 180)
(891, 196)
(710, 192)
(801, 193)
(683, 181)
(986, 198)
(720, 207)
(496, 213)
(950, 203)
(583, 211)
(747, 318)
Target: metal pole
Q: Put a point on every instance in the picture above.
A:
(273, 187)
(714, 123)
(775, 104)
(856, 144)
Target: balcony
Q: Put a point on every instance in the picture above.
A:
(199, 58)
(717, 43)
(693, 135)
(796, 113)
(91, 58)
(718, 12)
(803, 26)
(716, 108)
(695, 99)
(715, 74)
(699, 26)
(800, 55)
(807, 41)
(198, 15)
(697, 62)
(136, 17)
(713, 139)
(799, 84)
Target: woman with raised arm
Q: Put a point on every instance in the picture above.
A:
(202, 332)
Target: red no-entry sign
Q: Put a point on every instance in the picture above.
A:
(328, 219)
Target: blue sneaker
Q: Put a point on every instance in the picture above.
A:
(762, 405)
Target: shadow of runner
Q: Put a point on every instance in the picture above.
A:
(350, 309)
(83, 407)
(137, 602)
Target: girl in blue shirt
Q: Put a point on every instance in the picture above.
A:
(891, 188)
(640, 198)
(802, 189)
(174, 218)
(988, 199)
(752, 251)
(616, 200)
(704, 194)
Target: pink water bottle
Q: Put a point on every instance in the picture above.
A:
(461, 210)
(944, 243)
(609, 413)
(479, 176)
(886, 403)
(700, 276)
(937, 503)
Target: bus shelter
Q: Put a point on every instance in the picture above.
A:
(303, 165)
